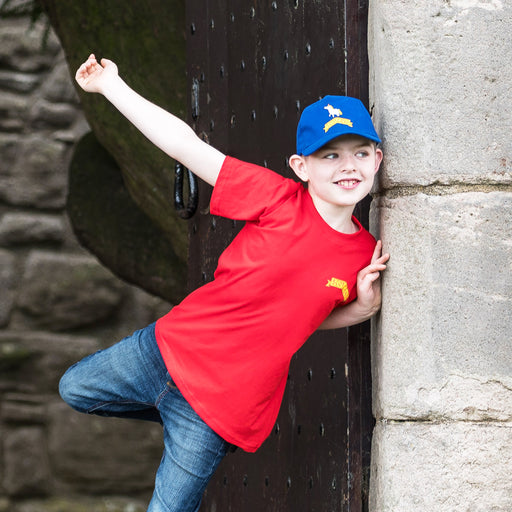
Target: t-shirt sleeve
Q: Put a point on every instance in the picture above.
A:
(246, 191)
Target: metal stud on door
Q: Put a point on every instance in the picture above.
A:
(252, 68)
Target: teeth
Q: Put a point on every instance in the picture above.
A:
(349, 183)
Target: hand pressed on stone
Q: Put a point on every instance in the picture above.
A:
(368, 280)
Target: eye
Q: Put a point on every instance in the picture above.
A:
(362, 153)
(331, 156)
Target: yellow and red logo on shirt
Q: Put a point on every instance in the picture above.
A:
(340, 284)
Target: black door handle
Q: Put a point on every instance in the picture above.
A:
(185, 212)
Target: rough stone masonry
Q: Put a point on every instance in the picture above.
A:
(442, 360)
(57, 304)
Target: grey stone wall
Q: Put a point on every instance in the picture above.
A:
(440, 78)
(57, 304)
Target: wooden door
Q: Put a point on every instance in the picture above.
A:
(253, 66)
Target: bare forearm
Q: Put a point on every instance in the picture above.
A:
(346, 316)
(165, 130)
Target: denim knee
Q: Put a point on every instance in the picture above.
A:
(69, 390)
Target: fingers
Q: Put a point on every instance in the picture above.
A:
(377, 257)
(368, 284)
(89, 72)
(377, 250)
(373, 276)
(86, 67)
(384, 258)
(377, 266)
(90, 62)
(371, 273)
(367, 278)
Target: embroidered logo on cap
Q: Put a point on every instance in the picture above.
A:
(336, 113)
(340, 284)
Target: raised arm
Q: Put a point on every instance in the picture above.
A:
(166, 131)
(368, 295)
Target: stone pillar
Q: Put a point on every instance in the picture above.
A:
(440, 80)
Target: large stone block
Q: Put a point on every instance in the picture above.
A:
(108, 455)
(7, 285)
(26, 462)
(61, 291)
(58, 86)
(18, 82)
(440, 86)
(33, 362)
(442, 343)
(47, 115)
(15, 111)
(21, 46)
(26, 228)
(38, 176)
(80, 504)
(447, 467)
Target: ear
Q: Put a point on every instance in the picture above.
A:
(378, 159)
(298, 164)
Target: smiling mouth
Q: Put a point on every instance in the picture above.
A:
(348, 184)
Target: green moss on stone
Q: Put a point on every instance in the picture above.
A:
(146, 39)
(120, 234)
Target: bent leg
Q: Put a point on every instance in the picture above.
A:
(191, 455)
(130, 380)
(123, 380)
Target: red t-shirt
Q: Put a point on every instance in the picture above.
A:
(228, 345)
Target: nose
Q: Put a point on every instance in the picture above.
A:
(347, 163)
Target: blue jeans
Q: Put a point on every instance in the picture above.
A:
(130, 380)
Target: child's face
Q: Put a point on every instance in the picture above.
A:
(340, 173)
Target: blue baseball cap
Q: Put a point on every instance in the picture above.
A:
(329, 118)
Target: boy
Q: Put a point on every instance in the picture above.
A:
(213, 370)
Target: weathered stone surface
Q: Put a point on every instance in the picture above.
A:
(18, 82)
(144, 167)
(33, 362)
(441, 350)
(114, 227)
(23, 408)
(79, 504)
(58, 86)
(21, 45)
(52, 115)
(28, 228)
(115, 455)
(39, 120)
(450, 280)
(440, 84)
(7, 281)
(447, 467)
(37, 178)
(9, 148)
(14, 110)
(12, 356)
(74, 133)
(26, 462)
(62, 292)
